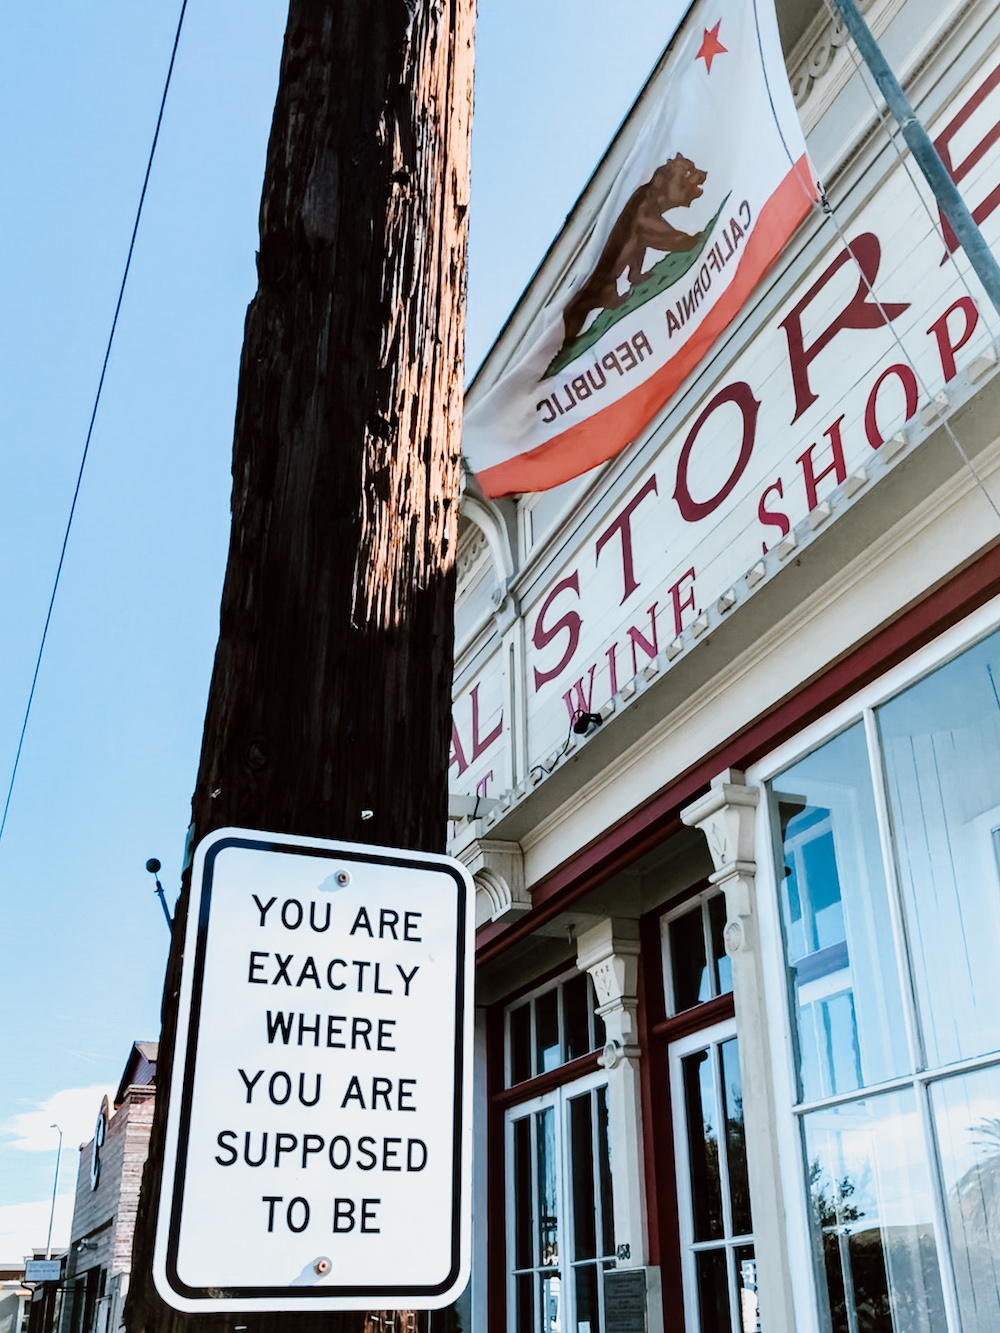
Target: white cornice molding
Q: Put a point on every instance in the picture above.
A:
(820, 66)
(493, 528)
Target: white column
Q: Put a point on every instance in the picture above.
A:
(609, 951)
(727, 817)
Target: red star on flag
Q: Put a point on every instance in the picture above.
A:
(711, 46)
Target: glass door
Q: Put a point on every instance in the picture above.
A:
(713, 1193)
(560, 1229)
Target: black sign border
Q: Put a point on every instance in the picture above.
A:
(367, 1295)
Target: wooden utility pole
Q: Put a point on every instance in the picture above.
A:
(329, 712)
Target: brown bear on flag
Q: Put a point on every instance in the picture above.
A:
(641, 226)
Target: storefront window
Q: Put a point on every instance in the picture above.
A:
(560, 1223)
(561, 1227)
(838, 931)
(698, 968)
(874, 1216)
(941, 746)
(553, 1027)
(889, 887)
(717, 1255)
(967, 1119)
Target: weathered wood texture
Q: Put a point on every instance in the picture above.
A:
(331, 693)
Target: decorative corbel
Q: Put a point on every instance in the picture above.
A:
(726, 815)
(498, 870)
(609, 951)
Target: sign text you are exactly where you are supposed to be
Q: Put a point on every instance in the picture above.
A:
(321, 1098)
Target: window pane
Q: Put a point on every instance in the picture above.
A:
(968, 1129)
(547, 1032)
(736, 1148)
(520, 1044)
(522, 1194)
(576, 1024)
(604, 1173)
(588, 1318)
(942, 753)
(687, 960)
(838, 932)
(713, 1292)
(551, 1317)
(703, 1145)
(525, 1303)
(582, 1158)
(746, 1289)
(600, 1033)
(871, 1205)
(548, 1218)
(721, 961)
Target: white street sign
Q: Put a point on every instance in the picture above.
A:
(318, 1135)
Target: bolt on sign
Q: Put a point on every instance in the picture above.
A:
(318, 1149)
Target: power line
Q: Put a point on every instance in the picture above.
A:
(93, 415)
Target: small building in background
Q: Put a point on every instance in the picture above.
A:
(107, 1196)
(14, 1298)
(42, 1276)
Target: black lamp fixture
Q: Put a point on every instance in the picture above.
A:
(582, 722)
(153, 866)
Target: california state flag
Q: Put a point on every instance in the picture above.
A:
(714, 182)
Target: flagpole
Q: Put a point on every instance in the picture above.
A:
(926, 155)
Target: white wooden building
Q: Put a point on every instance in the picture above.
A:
(739, 999)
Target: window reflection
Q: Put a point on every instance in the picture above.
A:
(713, 1291)
(548, 1216)
(560, 1216)
(967, 1119)
(523, 1248)
(873, 1162)
(547, 1032)
(872, 1211)
(941, 740)
(687, 960)
(700, 968)
(551, 1322)
(703, 1144)
(604, 1172)
(838, 933)
(721, 961)
(746, 1290)
(736, 1148)
(715, 1221)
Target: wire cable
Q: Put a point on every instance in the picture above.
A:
(93, 417)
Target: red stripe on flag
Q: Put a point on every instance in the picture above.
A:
(606, 433)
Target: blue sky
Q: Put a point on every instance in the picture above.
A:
(112, 747)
